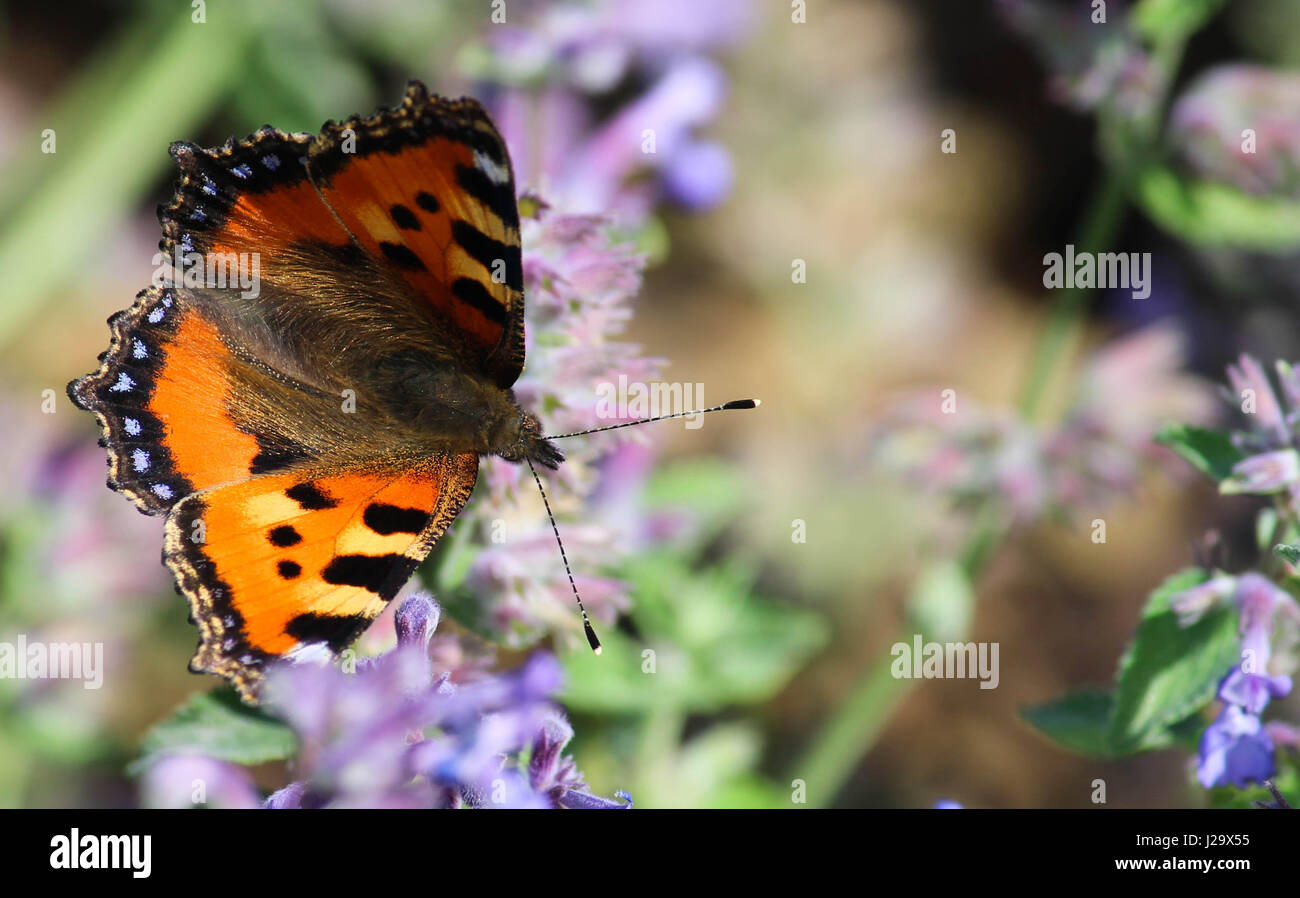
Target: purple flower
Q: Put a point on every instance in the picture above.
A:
(395, 735)
(557, 60)
(1096, 455)
(1192, 604)
(553, 774)
(1208, 124)
(1252, 691)
(699, 176)
(580, 285)
(1253, 393)
(191, 780)
(1265, 473)
(1235, 750)
(1283, 735)
(1262, 604)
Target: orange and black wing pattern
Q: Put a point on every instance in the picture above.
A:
(427, 187)
(161, 396)
(290, 566)
(287, 531)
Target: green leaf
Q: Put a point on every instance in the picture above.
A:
(1209, 213)
(1287, 552)
(1209, 451)
(1156, 19)
(219, 725)
(1169, 672)
(713, 642)
(711, 490)
(1079, 721)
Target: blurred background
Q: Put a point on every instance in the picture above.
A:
(809, 241)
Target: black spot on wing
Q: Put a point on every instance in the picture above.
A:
(369, 572)
(310, 497)
(336, 631)
(284, 536)
(401, 256)
(289, 570)
(472, 293)
(404, 217)
(389, 519)
(428, 202)
(491, 254)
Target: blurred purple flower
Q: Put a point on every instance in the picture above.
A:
(395, 735)
(1253, 394)
(1208, 128)
(1272, 464)
(1192, 604)
(72, 552)
(1252, 691)
(1263, 474)
(1235, 750)
(580, 285)
(1261, 605)
(191, 780)
(1089, 63)
(1095, 455)
(1283, 735)
(555, 61)
(699, 176)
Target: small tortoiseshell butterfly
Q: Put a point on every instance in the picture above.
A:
(388, 254)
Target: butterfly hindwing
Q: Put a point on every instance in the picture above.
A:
(291, 565)
(427, 188)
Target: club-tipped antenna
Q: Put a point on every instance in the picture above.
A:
(726, 406)
(592, 639)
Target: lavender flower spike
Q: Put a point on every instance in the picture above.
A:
(1252, 691)
(1191, 604)
(1235, 750)
(1268, 472)
(1252, 390)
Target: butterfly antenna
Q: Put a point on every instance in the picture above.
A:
(592, 640)
(726, 406)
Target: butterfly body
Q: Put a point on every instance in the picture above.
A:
(310, 432)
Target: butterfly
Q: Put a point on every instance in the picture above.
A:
(307, 400)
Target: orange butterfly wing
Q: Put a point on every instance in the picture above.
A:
(428, 188)
(290, 565)
(248, 196)
(429, 195)
(160, 397)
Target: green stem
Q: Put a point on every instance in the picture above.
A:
(849, 734)
(1101, 222)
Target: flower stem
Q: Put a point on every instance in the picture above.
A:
(1101, 223)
